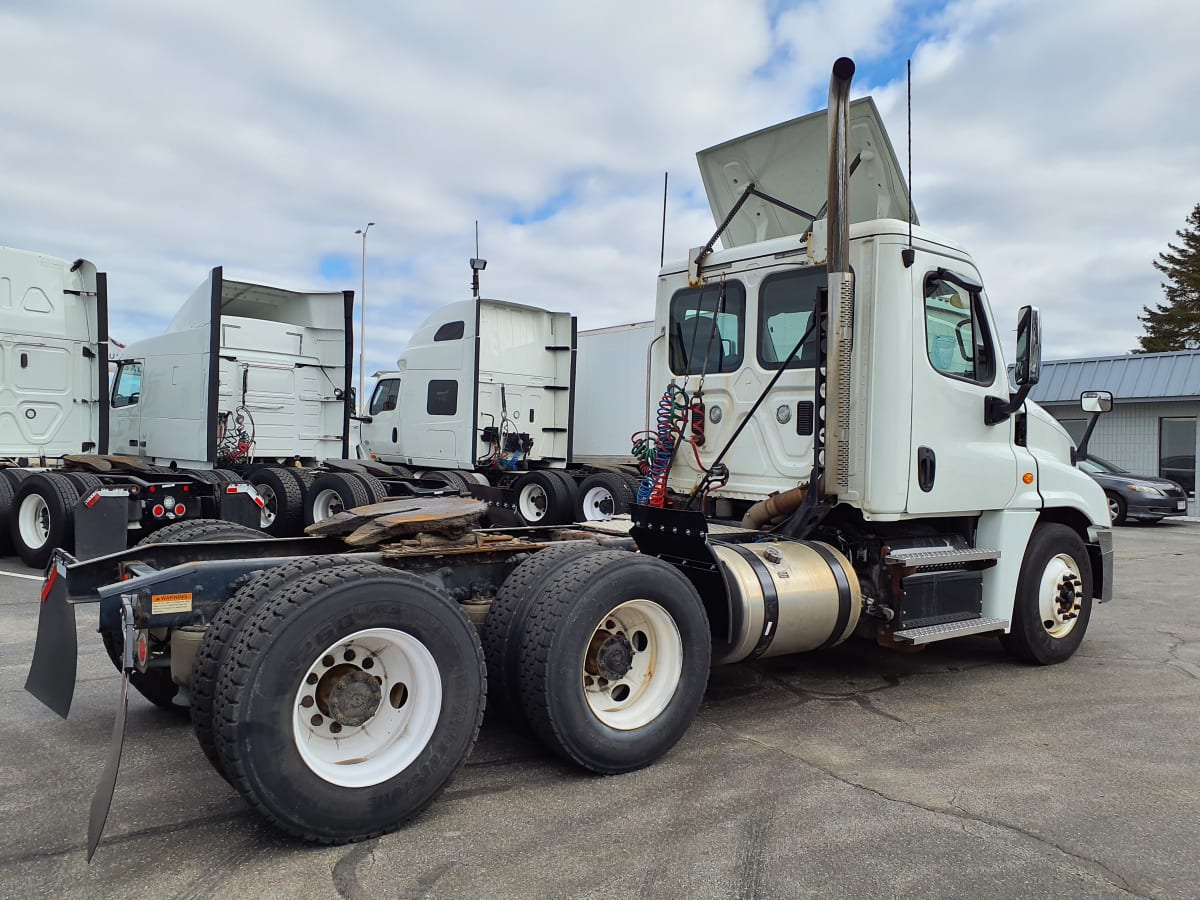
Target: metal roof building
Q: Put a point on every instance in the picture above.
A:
(1137, 376)
(1152, 428)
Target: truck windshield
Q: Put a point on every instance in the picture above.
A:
(1094, 465)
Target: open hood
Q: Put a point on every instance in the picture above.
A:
(790, 161)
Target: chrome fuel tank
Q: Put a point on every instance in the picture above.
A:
(786, 597)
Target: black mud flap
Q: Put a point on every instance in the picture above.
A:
(101, 523)
(241, 505)
(52, 672)
(102, 799)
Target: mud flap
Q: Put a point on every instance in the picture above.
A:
(241, 505)
(102, 799)
(501, 512)
(101, 523)
(52, 672)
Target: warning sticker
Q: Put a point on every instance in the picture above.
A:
(171, 603)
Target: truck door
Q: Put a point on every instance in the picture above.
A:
(956, 463)
(381, 436)
(125, 411)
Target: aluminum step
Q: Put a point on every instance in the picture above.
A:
(930, 557)
(931, 633)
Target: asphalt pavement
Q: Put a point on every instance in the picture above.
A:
(856, 772)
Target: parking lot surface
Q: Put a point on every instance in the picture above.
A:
(856, 772)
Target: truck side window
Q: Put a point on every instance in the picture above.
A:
(451, 331)
(127, 388)
(956, 334)
(385, 396)
(786, 304)
(442, 399)
(708, 328)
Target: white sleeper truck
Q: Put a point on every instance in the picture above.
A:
(484, 398)
(58, 485)
(865, 470)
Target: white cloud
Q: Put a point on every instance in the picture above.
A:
(1055, 141)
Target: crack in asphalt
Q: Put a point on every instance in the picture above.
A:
(860, 698)
(1105, 874)
(1187, 668)
(344, 872)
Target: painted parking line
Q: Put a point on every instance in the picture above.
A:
(22, 575)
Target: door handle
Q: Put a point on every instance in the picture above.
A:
(926, 468)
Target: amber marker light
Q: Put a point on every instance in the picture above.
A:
(1027, 478)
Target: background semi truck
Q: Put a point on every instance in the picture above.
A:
(866, 470)
(55, 471)
(486, 397)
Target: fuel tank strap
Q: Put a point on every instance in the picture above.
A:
(845, 593)
(770, 600)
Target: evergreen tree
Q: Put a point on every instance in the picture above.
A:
(1175, 325)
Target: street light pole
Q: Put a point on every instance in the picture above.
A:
(362, 317)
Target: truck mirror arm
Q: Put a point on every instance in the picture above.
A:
(996, 410)
(366, 420)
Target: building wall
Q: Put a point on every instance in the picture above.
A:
(1129, 434)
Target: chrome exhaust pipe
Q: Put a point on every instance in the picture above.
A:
(839, 167)
(840, 321)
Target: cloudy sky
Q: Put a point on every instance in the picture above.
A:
(1059, 142)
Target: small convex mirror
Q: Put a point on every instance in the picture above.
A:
(1028, 367)
(1096, 401)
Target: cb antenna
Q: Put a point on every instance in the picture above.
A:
(908, 255)
(477, 264)
(662, 247)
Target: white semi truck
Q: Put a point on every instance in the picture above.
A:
(878, 480)
(58, 485)
(484, 397)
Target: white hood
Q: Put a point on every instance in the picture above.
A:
(790, 162)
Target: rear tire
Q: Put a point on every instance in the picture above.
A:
(614, 660)
(156, 684)
(202, 530)
(505, 622)
(44, 507)
(1054, 597)
(282, 514)
(449, 478)
(376, 490)
(276, 733)
(332, 493)
(542, 499)
(602, 496)
(222, 632)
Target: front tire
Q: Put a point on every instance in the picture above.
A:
(614, 660)
(1116, 508)
(348, 701)
(1053, 604)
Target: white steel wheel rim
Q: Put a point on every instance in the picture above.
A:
(394, 734)
(33, 521)
(598, 504)
(533, 502)
(640, 694)
(1060, 596)
(326, 503)
(270, 507)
